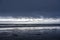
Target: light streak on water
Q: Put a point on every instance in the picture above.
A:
(28, 28)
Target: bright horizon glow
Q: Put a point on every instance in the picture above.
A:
(26, 20)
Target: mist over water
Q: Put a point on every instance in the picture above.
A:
(29, 33)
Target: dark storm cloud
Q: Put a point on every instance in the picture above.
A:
(30, 7)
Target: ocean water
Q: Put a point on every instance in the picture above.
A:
(30, 33)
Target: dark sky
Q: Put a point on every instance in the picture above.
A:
(30, 8)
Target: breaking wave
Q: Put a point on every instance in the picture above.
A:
(29, 20)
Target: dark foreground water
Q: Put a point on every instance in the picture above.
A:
(30, 33)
